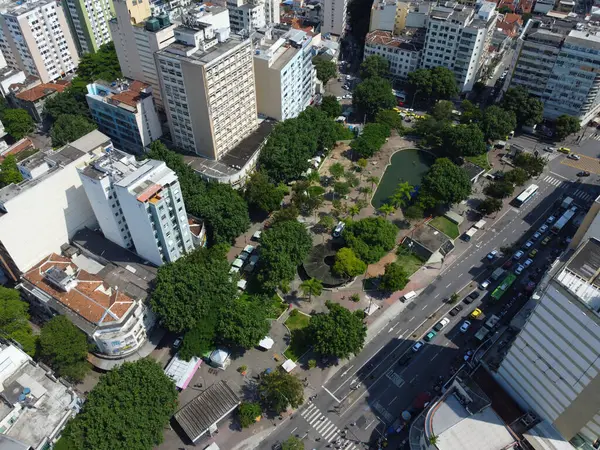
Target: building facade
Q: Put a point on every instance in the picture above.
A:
(245, 16)
(284, 73)
(334, 16)
(33, 96)
(35, 38)
(207, 81)
(89, 23)
(386, 15)
(404, 51)
(125, 112)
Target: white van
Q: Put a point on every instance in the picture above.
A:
(408, 296)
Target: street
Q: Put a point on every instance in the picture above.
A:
(368, 395)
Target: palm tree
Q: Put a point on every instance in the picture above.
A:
(401, 195)
(374, 181)
(353, 210)
(311, 287)
(433, 439)
(365, 190)
(386, 209)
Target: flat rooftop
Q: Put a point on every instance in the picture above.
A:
(206, 57)
(429, 237)
(412, 39)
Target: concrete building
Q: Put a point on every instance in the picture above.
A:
(552, 367)
(284, 73)
(458, 38)
(138, 205)
(31, 95)
(8, 77)
(89, 23)
(404, 50)
(137, 36)
(124, 111)
(334, 16)
(272, 12)
(388, 15)
(561, 66)
(51, 195)
(245, 17)
(172, 8)
(34, 405)
(207, 81)
(35, 38)
(116, 324)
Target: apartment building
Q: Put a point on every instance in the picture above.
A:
(89, 22)
(137, 36)
(552, 366)
(272, 12)
(403, 50)
(207, 81)
(244, 16)
(138, 205)
(32, 95)
(458, 38)
(50, 195)
(561, 66)
(172, 8)
(35, 38)
(284, 73)
(124, 110)
(388, 15)
(334, 15)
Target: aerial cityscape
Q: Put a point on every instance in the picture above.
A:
(299, 224)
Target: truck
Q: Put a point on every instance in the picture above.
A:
(479, 225)
(497, 273)
(469, 234)
(566, 203)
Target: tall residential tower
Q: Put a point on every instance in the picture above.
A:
(89, 22)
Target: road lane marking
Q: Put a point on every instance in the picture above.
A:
(346, 371)
(292, 432)
(411, 319)
(391, 329)
(449, 284)
(395, 378)
(462, 273)
(393, 400)
(437, 296)
(331, 393)
(424, 308)
(370, 423)
(434, 356)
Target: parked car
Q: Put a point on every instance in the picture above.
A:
(546, 240)
(337, 231)
(534, 252)
(536, 236)
(493, 254)
(550, 219)
(583, 174)
(417, 346)
(517, 256)
(474, 295)
(527, 262)
(484, 285)
(543, 229)
(508, 264)
(177, 342)
(456, 310)
(441, 324)
(467, 300)
(528, 245)
(519, 269)
(465, 326)
(574, 156)
(429, 336)
(475, 313)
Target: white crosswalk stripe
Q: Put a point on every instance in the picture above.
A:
(325, 427)
(582, 195)
(595, 136)
(554, 181)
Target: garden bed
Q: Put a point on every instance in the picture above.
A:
(446, 226)
(480, 160)
(299, 344)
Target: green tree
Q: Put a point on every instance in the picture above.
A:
(402, 194)
(327, 222)
(470, 112)
(431, 131)
(341, 188)
(64, 103)
(198, 341)
(499, 189)
(348, 264)
(307, 198)
(127, 410)
(337, 170)
(386, 209)
(263, 194)
(279, 389)
(64, 348)
(414, 212)
(533, 165)
(311, 287)
(391, 119)
(101, 65)
(517, 176)
(243, 323)
(353, 211)
(489, 205)
(443, 110)
(248, 412)
(9, 172)
(326, 69)
(17, 122)
(291, 212)
(370, 238)
(371, 140)
(339, 332)
(14, 320)
(528, 110)
(374, 66)
(283, 247)
(444, 184)
(69, 128)
(395, 278)
(463, 140)
(292, 443)
(566, 125)
(374, 180)
(191, 290)
(331, 106)
(362, 164)
(497, 123)
(434, 84)
(373, 95)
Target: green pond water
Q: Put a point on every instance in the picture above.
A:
(406, 165)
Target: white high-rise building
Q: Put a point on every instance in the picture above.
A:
(35, 38)
(207, 81)
(271, 8)
(245, 16)
(552, 367)
(285, 75)
(458, 38)
(89, 22)
(334, 16)
(138, 205)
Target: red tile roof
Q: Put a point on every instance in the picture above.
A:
(20, 146)
(132, 95)
(41, 91)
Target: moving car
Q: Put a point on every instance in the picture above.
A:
(491, 255)
(517, 256)
(546, 240)
(475, 313)
(550, 149)
(534, 252)
(456, 310)
(465, 326)
(583, 174)
(484, 285)
(527, 262)
(520, 268)
(574, 156)
(429, 336)
(564, 150)
(441, 324)
(337, 232)
(417, 346)
(550, 219)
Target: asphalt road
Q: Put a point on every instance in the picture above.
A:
(370, 392)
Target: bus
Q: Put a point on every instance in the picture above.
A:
(526, 195)
(506, 283)
(564, 219)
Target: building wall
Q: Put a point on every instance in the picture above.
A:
(268, 89)
(334, 17)
(402, 61)
(383, 16)
(89, 23)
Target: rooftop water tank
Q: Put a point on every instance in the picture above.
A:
(152, 24)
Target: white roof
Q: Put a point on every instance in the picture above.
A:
(237, 263)
(242, 284)
(289, 365)
(219, 356)
(249, 248)
(266, 342)
(180, 371)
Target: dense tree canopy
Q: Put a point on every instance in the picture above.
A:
(331, 106)
(374, 66)
(444, 184)
(64, 103)
(391, 119)
(279, 389)
(370, 238)
(326, 69)
(434, 84)
(339, 332)
(463, 140)
(69, 128)
(499, 189)
(100, 65)
(248, 412)
(497, 123)
(528, 110)
(293, 443)
(243, 323)
(348, 264)
(516, 176)
(372, 95)
(199, 340)
(17, 122)
(470, 112)
(394, 278)
(14, 319)
(489, 205)
(533, 165)
(64, 348)
(431, 131)
(283, 247)
(262, 194)
(371, 140)
(127, 410)
(9, 172)
(443, 110)
(566, 125)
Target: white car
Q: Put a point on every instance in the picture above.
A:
(484, 285)
(536, 236)
(441, 324)
(337, 232)
(550, 219)
(574, 156)
(527, 262)
(517, 256)
(543, 229)
(417, 346)
(339, 98)
(465, 326)
(491, 255)
(519, 269)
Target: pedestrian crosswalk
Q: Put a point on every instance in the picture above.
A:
(582, 195)
(578, 194)
(557, 182)
(326, 428)
(595, 136)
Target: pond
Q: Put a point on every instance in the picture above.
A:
(406, 165)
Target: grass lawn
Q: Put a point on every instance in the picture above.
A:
(297, 322)
(480, 160)
(446, 226)
(409, 261)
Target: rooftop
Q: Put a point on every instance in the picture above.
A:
(411, 39)
(41, 91)
(41, 412)
(207, 56)
(83, 293)
(126, 94)
(430, 238)
(18, 147)
(472, 169)
(114, 163)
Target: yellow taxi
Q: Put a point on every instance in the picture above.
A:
(565, 150)
(476, 313)
(397, 109)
